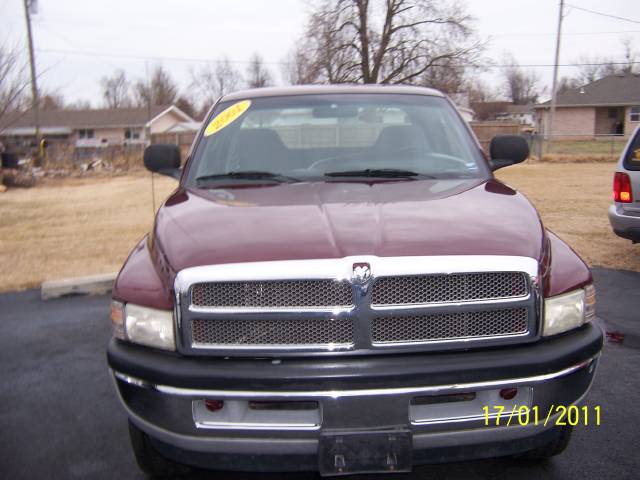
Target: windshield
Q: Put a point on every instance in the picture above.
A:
(326, 137)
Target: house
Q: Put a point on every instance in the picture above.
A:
(503, 111)
(461, 101)
(185, 127)
(487, 111)
(522, 114)
(91, 128)
(608, 106)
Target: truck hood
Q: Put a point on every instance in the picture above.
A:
(336, 219)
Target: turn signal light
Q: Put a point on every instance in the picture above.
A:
(508, 393)
(213, 405)
(622, 188)
(117, 319)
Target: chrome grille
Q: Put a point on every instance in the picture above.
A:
(308, 307)
(449, 326)
(273, 294)
(255, 333)
(460, 287)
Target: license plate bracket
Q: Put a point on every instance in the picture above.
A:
(351, 452)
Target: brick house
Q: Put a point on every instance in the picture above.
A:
(93, 128)
(608, 106)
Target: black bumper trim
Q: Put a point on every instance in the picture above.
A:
(545, 356)
(296, 462)
(632, 234)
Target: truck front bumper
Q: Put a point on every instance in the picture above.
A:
(435, 400)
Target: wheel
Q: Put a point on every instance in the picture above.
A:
(149, 460)
(551, 449)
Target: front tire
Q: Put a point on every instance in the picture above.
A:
(149, 460)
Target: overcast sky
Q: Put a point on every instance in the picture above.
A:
(79, 41)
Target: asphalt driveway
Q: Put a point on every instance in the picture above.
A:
(59, 416)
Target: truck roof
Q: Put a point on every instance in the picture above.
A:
(330, 89)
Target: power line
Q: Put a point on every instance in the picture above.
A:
(54, 21)
(143, 57)
(208, 60)
(604, 14)
(548, 34)
(124, 26)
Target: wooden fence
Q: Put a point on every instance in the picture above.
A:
(485, 131)
(182, 139)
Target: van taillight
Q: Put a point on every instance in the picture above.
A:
(622, 188)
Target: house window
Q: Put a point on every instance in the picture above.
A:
(634, 114)
(85, 133)
(131, 134)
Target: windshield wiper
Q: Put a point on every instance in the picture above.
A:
(248, 175)
(378, 172)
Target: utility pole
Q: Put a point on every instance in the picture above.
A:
(148, 134)
(35, 99)
(552, 114)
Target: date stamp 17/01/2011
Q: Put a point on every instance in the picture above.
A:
(557, 415)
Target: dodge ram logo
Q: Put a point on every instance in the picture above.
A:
(361, 272)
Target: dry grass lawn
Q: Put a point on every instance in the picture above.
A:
(604, 146)
(84, 227)
(573, 200)
(73, 227)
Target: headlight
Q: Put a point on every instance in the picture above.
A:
(569, 311)
(143, 325)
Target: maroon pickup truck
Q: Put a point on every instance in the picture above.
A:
(340, 284)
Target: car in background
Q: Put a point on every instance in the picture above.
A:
(624, 214)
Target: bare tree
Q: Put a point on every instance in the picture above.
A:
(52, 100)
(116, 90)
(479, 91)
(160, 89)
(521, 86)
(227, 79)
(629, 55)
(186, 106)
(387, 41)
(14, 83)
(322, 54)
(258, 76)
(81, 104)
(449, 76)
(214, 81)
(567, 83)
(595, 68)
(300, 69)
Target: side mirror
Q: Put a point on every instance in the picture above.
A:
(163, 159)
(507, 150)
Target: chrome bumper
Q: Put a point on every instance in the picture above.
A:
(168, 414)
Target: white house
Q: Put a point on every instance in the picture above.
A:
(92, 128)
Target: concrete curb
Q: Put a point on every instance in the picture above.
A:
(91, 285)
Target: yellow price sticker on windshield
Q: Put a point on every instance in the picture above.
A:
(227, 116)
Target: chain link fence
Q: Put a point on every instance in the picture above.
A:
(560, 148)
(578, 148)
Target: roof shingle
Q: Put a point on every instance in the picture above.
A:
(613, 90)
(74, 119)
